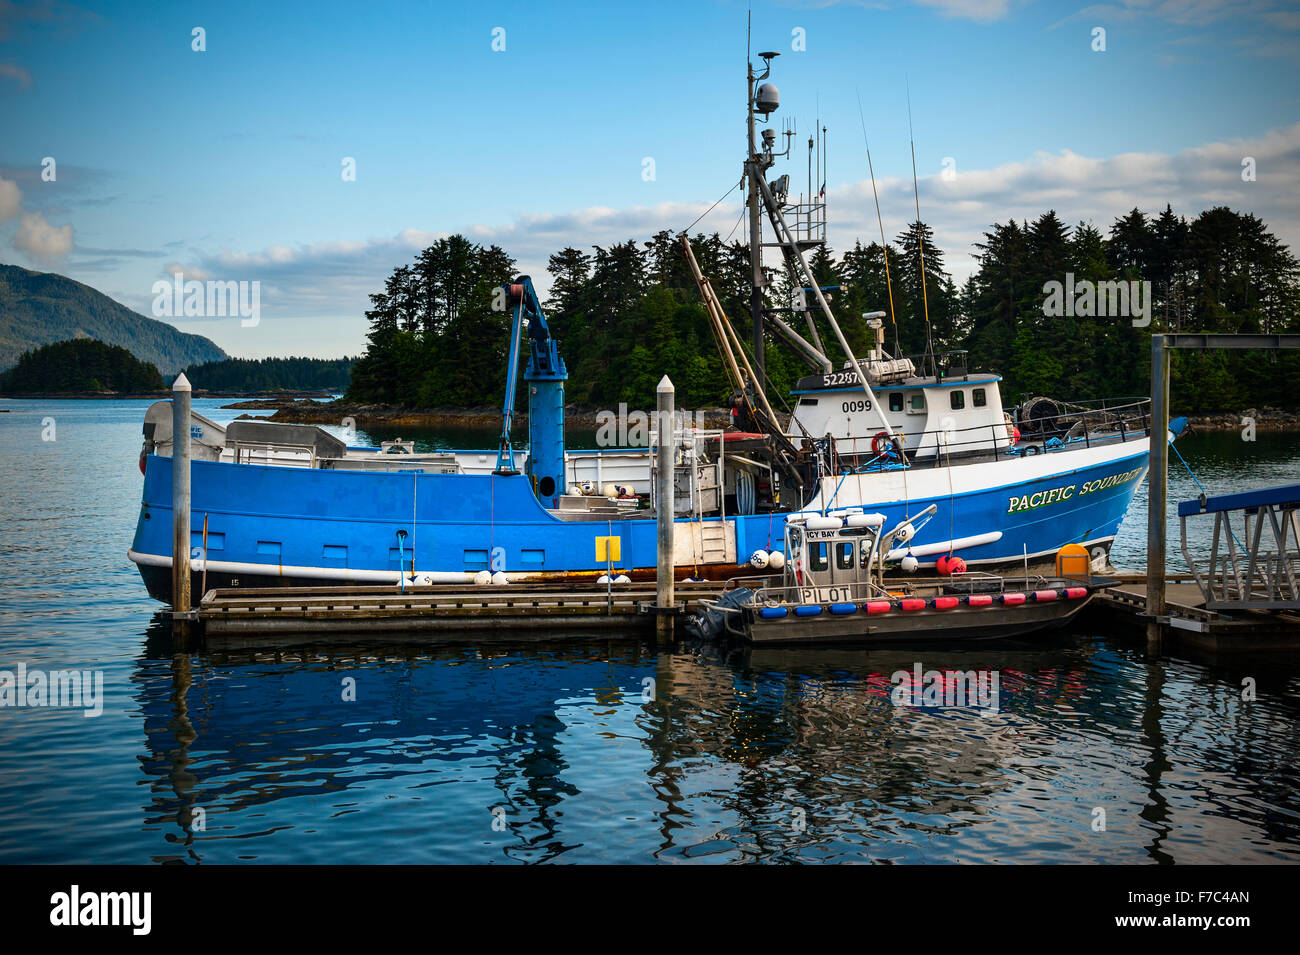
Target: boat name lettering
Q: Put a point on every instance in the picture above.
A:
(1027, 502)
(816, 595)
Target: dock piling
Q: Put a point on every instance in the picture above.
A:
(181, 393)
(664, 595)
(1157, 486)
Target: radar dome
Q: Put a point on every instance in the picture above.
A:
(767, 99)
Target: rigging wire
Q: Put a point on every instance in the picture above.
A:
(884, 247)
(920, 234)
(712, 207)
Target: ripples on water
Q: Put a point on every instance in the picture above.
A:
(762, 755)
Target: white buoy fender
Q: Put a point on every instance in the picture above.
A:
(776, 560)
(500, 579)
(909, 564)
(758, 559)
(823, 523)
(482, 578)
(865, 520)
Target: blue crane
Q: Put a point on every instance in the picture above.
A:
(545, 377)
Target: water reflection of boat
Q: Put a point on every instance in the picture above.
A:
(254, 743)
(754, 753)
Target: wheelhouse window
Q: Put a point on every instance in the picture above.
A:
(978, 398)
(958, 399)
(896, 401)
(918, 403)
(844, 555)
(817, 557)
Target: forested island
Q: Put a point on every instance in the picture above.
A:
(80, 366)
(626, 314)
(266, 376)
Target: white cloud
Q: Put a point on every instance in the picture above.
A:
(41, 240)
(1083, 188)
(981, 11)
(16, 72)
(11, 199)
(35, 236)
(334, 278)
(190, 271)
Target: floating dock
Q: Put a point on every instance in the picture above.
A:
(1187, 619)
(511, 612)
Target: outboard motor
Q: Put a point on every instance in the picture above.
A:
(710, 623)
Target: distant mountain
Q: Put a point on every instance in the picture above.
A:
(39, 308)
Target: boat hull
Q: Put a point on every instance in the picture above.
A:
(943, 626)
(271, 526)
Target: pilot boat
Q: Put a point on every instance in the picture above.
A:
(832, 590)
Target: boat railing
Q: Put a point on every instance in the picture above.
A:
(1083, 424)
(279, 455)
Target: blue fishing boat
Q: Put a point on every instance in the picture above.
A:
(293, 505)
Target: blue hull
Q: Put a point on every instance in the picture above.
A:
(301, 526)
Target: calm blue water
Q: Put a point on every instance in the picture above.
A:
(468, 754)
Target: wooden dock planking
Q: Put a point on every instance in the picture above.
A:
(383, 609)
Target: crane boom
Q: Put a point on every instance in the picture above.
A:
(545, 375)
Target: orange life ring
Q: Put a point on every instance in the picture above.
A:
(881, 446)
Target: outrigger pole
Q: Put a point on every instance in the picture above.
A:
(729, 346)
(783, 235)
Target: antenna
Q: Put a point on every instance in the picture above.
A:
(920, 234)
(826, 159)
(810, 158)
(884, 246)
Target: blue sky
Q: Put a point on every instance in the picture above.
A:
(226, 163)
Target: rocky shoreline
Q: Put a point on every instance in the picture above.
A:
(1265, 419)
(307, 411)
(312, 411)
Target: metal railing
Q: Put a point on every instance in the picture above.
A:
(1085, 423)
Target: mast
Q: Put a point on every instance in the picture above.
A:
(755, 166)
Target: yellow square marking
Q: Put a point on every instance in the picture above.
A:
(608, 549)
